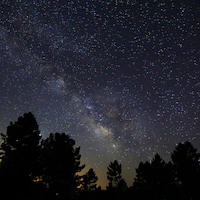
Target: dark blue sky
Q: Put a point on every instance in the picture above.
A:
(121, 77)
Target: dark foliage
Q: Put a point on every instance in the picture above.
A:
(115, 178)
(155, 179)
(60, 162)
(89, 180)
(177, 180)
(105, 195)
(122, 186)
(20, 152)
(114, 174)
(187, 169)
(30, 169)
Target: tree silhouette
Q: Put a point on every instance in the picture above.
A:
(187, 169)
(143, 176)
(122, 186)
(158, 166)
(155, 178)
(55, 162)
(114, 174)
(20, 152)
(89, 180)
(60, 162)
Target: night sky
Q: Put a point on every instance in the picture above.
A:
(121, 77)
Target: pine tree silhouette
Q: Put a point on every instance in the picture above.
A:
(60, 162)
(114, 174)
(19, 156)
(89, 180)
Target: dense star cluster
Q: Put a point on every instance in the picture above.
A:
(121, 77)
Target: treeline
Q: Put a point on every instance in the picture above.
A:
(35, 168)
(177, 179)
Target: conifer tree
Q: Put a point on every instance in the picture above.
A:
(187, 168)
(114, 174)
(20, 154)
(89, 180)
(60, 162)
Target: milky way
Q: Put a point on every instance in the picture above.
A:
(121, 77)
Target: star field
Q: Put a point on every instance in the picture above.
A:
(121, 77)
